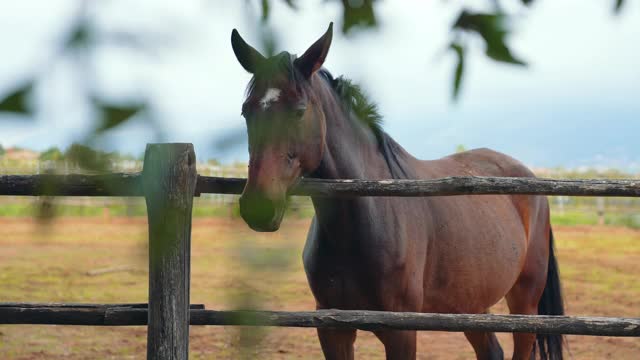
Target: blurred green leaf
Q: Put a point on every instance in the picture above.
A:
(269, 42)
(16, 102)
(618, 6)
(357, 13)
(88, 158)
(527, 2)
(265, 5)
(114, 115)
(266, 9)
(291, 4)
(457, 78)
(51, 154)
(45, 205)
(80, 36)
(491, 27)
(46, 210)
(503, 54)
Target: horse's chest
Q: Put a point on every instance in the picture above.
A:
(351, 277)
(337, 287)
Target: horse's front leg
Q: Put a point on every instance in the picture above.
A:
(398, 344)
(337, 344)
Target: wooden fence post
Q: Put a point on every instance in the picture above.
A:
(169, 179)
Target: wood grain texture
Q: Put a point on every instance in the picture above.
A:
(29, 305)
(169, 179)
(116, 184)
(352, 319)
(468, 185)
(449, 186)
(130, 185)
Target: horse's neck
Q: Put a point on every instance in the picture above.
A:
(350, 152)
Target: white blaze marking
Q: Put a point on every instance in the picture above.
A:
(269, 97)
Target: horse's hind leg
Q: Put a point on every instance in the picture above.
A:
(398, 344)
(525, 294)
(337, 344)
(486, 345)
(523, 299)
(520, 302)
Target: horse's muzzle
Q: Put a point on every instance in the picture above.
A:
(261, 213)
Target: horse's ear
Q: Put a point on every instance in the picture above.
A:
(313, 58)
(249, 58)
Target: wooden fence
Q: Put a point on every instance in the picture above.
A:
(169, 182)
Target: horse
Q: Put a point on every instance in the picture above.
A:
(441, 254)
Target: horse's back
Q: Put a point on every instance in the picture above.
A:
(476, 162)
(487, 162)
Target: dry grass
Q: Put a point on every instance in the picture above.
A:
(599, 268)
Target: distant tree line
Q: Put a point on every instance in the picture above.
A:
(82, 156)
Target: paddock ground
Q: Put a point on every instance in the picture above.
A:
(233, 267)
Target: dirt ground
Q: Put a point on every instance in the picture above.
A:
(233, 267)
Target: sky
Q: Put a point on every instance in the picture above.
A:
(575, 105)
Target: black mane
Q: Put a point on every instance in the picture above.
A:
(355, 101)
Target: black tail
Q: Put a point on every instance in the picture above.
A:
(550, 346)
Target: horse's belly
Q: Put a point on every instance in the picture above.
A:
(475, 261)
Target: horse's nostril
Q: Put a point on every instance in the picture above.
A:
(257, 210)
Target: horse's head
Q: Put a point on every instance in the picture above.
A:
(286, 127)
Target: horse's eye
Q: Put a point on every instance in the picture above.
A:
(300, 110)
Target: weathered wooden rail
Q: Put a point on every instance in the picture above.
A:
(16, 305)
(125, 315)
(130, 184)
(169, 181)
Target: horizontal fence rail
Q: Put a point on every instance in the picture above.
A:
(129, 184)
(353, 319)
(116, 184)
(81, 306)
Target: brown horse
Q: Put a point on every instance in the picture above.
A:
(458, 254)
